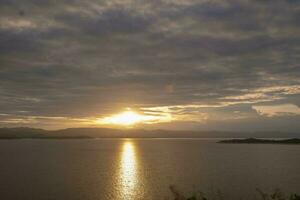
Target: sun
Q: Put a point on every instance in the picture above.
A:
(130, 118)
(125, 118)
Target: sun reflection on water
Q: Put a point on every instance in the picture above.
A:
(128, 170)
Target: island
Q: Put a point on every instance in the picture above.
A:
(261, 141)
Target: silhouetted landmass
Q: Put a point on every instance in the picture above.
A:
(80, 133)
(261, 141)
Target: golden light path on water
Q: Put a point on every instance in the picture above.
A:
(128, 170)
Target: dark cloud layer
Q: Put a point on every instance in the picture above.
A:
(210, 61)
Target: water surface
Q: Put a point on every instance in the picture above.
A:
(125, 169)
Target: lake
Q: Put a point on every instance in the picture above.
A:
(125, 169)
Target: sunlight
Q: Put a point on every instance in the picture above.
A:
(128, 165)
(125, 118)
(130, 118)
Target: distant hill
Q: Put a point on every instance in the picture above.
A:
(24, 132)
(261, 141)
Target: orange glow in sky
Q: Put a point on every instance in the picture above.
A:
(130, 118)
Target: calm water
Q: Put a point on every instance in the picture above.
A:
(142, 168)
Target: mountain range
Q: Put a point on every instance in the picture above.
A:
(69, 133)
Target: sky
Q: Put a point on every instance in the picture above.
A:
(167, 64)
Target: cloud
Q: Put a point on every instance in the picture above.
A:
(89, 59)
(277, 110)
